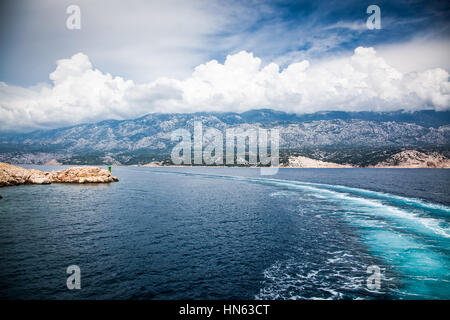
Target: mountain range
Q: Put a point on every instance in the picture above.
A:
(358, 138)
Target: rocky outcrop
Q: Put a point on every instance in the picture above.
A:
(81, 175)
(13, 175)
(304, 162)
(154, 164)
(415, 159)
(52, 162)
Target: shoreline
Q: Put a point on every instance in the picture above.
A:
(223, 167)
(407, 159)
(11, 175)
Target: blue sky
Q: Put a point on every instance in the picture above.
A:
(144, 40)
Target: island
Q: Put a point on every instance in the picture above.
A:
(11, 175)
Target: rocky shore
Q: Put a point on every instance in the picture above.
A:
(415, 159)
(304, 162)
(11, 175)
(403, 159)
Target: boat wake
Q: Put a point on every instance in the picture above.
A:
(409, 235)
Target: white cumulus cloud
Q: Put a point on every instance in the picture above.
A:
(365, 81)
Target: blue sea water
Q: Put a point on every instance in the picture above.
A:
(216, 233)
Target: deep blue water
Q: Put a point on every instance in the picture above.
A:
(197, 233)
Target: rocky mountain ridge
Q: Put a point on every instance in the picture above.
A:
(328, 136)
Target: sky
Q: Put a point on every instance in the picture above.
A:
(130, 58)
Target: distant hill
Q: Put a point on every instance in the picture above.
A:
(343, 137)
(415, 159)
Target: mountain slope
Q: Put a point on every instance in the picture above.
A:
(415, 159)
(148, 138)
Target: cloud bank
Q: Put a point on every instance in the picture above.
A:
(364, 81)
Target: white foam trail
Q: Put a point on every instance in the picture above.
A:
(369, 206)
(386, 225)
(376, 194)
(400, 215)
(407, 201)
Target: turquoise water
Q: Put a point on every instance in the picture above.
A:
(197, 233)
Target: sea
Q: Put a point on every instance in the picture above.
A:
(230, 233)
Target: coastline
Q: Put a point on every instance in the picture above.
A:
(224, 167)
(11, 175)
